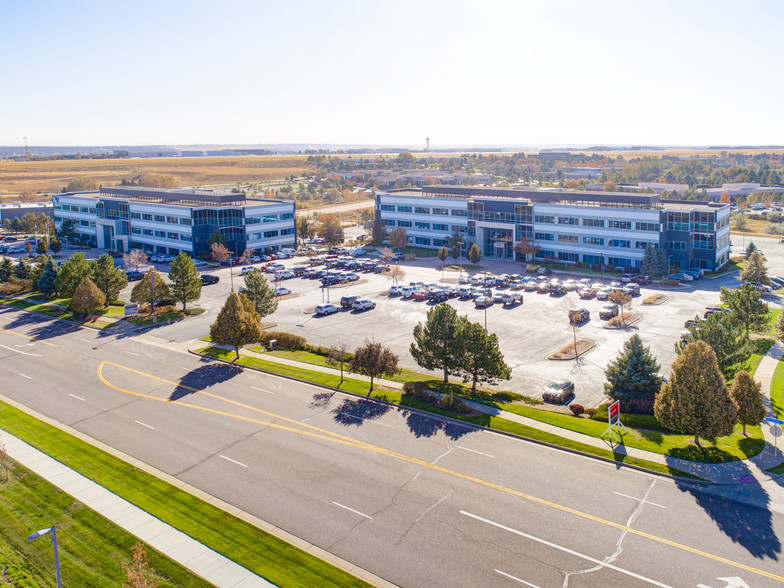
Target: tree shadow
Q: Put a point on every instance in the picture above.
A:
(204, 376)
(356, 411)
(42, 326)
(749, 526)
(651, 435)
(321, 400)
(422, 425)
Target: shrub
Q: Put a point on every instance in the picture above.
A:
(591, 412)
(641, 405)
(415, 389)
(454, 404)
(532, 268)
(285, 340)
(618, 321)
(14, 285)
(652, 299)
(577, 409)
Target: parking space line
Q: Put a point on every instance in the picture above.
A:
(144, 425)
(362, 514)
(77, 397)
(83, 339)
(640, 500)
(516, 579)
(260, 390)
(233, 461)
(24, 376)
(132, 353)
(598, 562)
(474, 451)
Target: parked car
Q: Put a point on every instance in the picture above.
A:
(395, 290)
(558, 391)
(420, 294)
(631, 288)
(284, 275)
(587, 293)
(437, 295)
(325, 309)
(200, 263)
(544, 271)
(248, 269)
(282, 291)
(512, 298)
(483, 302)
(557, 289)
(608, 311)
(134, 276)
(363, 304)
(208, 279)
(579, 316)
(642, 280)
(626, 278)
(348, 301)
(603, 293)
(407, 291)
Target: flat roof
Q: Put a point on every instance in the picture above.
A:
(186, 198)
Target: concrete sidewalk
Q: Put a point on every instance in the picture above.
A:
(164, 538)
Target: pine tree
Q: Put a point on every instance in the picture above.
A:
(6, 269)
(41, 247)
(653, 263)
(109, 278)
(71, 273)
(747, 397)
(438, 343)
(633, 376)
(237, 324)
(55, 245)
(87, 297)
(186, 285)
(46, 282)
(260, 293)
(747, 306)
(723, 333)
(755, 270)
(22, 270)
(151, 289)
(481, 358)
(696, 401)
(750, 248)
(474, 255)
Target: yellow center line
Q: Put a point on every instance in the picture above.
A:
(326, 435)
(28, 337)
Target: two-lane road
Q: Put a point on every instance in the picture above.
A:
(406, 496)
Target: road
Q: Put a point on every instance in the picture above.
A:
(411, 498)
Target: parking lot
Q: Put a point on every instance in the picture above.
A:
(527, 333)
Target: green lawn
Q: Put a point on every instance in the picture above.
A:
(90, 547)
(165, 316)
(239, 541)
(395, 397)
(48, 310)
(777, 390)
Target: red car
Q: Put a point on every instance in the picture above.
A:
(642, 280)
(419, 295)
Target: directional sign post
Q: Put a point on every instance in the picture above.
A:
(614, 421)
(776, 432)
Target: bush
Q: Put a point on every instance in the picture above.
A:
(14, 285)
(317, 349)
(415, 389)
(591, 412)
(285, 340)
(532, 268)
(454, 404)
(652, 299)
(577, 409)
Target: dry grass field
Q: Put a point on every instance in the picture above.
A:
(680, 152)
(52, 176)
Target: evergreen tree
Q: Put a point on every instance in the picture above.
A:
(481, 358)
(633, 376)
(373, 360)
(696, 401)
(186, 285)
(55, 245)
(71, 273)
(747, 306)
(260, 293)
(87, 298)
(41, 247)
(379, 232)
(6, 269)
(723, 333)
(22, 270)
(46, 282)
(474, 255)
(747, 397)
(755, 270)
(109, 278)
(237, 323)
(654, 262)
(150, 289)
(750, 248)
(438, 343)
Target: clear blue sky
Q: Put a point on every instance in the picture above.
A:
(391, 72)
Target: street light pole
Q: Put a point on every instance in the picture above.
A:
(53, 531)
(484, 283)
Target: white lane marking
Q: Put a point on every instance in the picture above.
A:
(85, 340)
(233, 461)
(515, 578)
(362, 514)
(566, 550)
(25, 345)
(260, 390)
(640, 500)
(144, 425)
(21, 374)
(132, 353)
(22, 352)
(474, 451)
(77, 397)
(184, 368)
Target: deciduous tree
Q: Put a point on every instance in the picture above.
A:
(622, 300)
(261, 293)
(184, 278)
(338, 356)
(304, 228)
(696, 401)
(151, 289)
(438, 343)
(71, 273)
(474, 255)
(398, 238)
(87, 298)
(526, 248)
(374, 360)
(134, 258)
(747, 306)
(633, 376)
(396, 273)
(481, 359)
(109, 278)
(747, 397)
(41, 247)
(219, 252)
(55, 245)
(237, 323)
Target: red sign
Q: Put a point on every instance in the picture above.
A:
(615, 411)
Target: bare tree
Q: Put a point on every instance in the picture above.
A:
(134, 258)
(219, 252)
(338, 355)
(396, 274)
(386, 254)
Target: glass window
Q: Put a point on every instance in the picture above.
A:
(647, 226)
(269, 218)
(171, 220)
(441, 211)
(404, 208)
(185, 221)
(620, 243)
(147, 217)
(568, 238)
(270, 234)
(544, 236)
(541, 218)
(422, 210)
(287, 216)
(593, 222)
(568, 220)
(136, 215)
(159, 218)
(173, 236)
(422, 240)
(388, 207)
(402, 223)
(593, 240)
(440, 227)
(614, 224)
(421, 225)
(459, 212)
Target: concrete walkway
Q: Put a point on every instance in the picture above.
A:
(164, 538)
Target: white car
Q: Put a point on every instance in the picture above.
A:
(200, 263)
(325, 309)
(282, 291)
(363, 304)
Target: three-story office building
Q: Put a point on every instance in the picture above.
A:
(171, 221)
(571, 226)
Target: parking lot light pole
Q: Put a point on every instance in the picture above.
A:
(53, 531)
(485, 286)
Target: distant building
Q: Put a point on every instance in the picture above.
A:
(18, 209)
(171, 221)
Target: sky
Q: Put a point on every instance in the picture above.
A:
(391, 72)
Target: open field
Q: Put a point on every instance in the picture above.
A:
(52, 176)
(681, 152)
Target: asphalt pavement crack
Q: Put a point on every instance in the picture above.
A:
(619, 543)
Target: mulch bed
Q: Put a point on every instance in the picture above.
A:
(568, 351)
(631, 319)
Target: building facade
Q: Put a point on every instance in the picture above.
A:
(171, 221)
(570, 226)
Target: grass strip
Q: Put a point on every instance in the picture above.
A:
(394, 397)
(48, 310)
(166, 316)
(779, 469)
(777, 390)
(90, 546)
(241, 542)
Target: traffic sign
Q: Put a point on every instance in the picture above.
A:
(772, 420)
